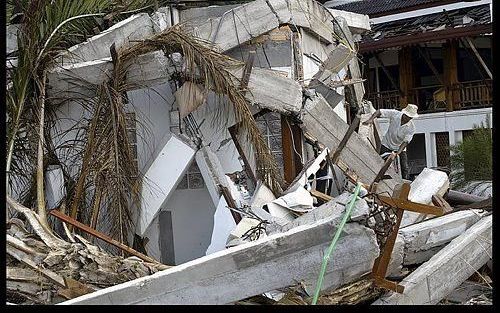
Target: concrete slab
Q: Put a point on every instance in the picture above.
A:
(136, 27)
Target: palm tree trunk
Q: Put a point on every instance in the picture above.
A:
(39, 172)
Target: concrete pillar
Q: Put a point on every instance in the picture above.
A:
(458, 136)
(428, 149)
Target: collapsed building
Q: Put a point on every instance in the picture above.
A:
(242, 127)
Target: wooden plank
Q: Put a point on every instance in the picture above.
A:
(411, 206)
(321, 122)
(321, 195)
(291, 142)
(252, 268)
(450, 74)
(406, 76)
(478, 56)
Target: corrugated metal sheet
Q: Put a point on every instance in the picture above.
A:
(479, 15)
(377, 6)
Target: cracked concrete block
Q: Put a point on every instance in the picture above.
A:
(428, 183)
(447, 269)
(238, 25)
(319, 121)
(285, 96)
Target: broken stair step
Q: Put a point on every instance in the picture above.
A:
(239, 272)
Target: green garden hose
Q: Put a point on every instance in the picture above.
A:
(332, 246)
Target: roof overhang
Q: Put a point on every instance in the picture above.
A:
(430, 36)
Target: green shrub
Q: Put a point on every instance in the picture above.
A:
(471, 159)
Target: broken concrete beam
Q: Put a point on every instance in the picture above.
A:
(162, 177)
(11, 37)
(342, 30)
(357, 23)
(243, 23)
(422, 240)
(337, 59)
(322, 123)
(447, 269)
(428, 183)
(239, 272)
(238, 25)
(155, 68)
(135, 28)
(78, 80)
(197, 16)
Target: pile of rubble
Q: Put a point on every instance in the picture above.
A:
(403, 243)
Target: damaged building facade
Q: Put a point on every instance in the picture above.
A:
(243, 124)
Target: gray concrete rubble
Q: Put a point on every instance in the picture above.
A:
(238, 272)
(447, 269)
(417, 243)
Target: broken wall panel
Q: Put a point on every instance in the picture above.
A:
(162, 177)
(237, 273)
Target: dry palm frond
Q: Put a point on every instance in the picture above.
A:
(47, 28)
(206, 66)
